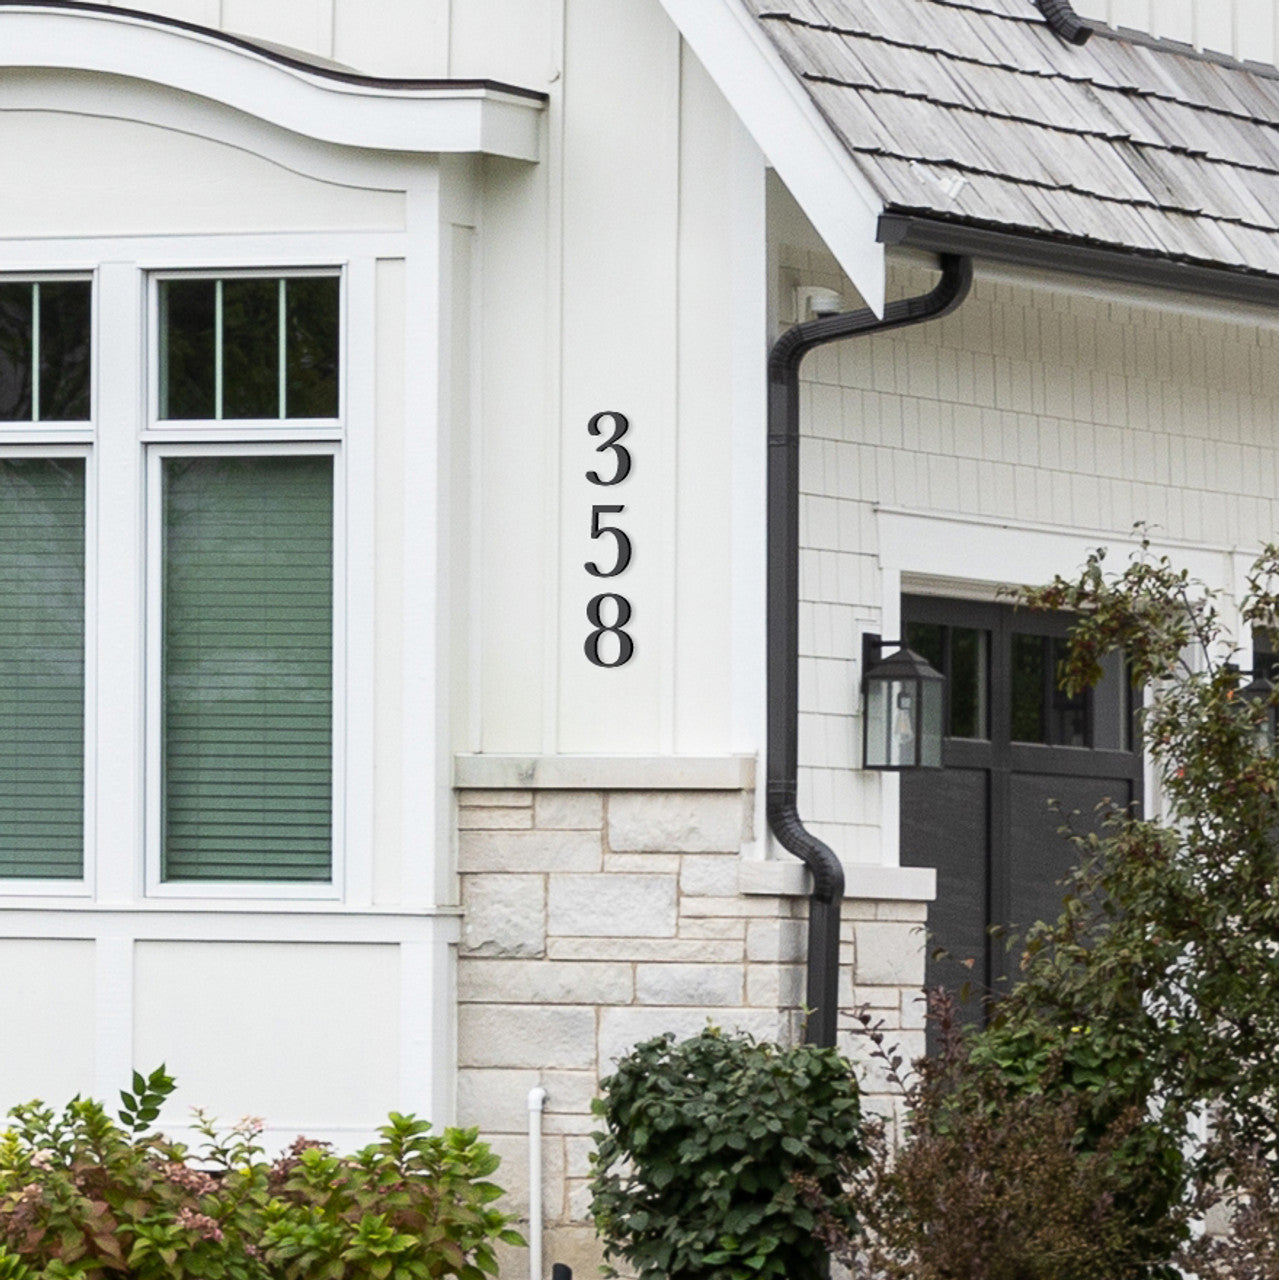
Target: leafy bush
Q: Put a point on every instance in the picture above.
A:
(693, 1176)
(84, 1196)
(1008, 1172)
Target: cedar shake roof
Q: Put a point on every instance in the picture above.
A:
(974, 111)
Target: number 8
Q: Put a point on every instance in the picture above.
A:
(625, 645)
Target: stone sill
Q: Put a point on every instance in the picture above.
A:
(604, 773)
(864, 882)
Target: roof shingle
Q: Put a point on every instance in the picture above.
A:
(973, 110)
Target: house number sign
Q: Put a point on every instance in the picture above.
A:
(609, 613)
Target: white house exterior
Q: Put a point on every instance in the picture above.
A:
(388, 306)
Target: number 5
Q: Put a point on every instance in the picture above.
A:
(623, 542)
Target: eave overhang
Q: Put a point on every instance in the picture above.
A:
(317, 100)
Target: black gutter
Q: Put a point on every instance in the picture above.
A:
(822, 995)
(1064, 21)
(1124, 266)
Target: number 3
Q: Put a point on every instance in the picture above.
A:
(623, 455)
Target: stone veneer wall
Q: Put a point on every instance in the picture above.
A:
(597, 919)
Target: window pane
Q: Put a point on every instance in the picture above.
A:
(187, 357)
(248, 658)
(251, 348)
(1028, 719)
(929, 641)
(15, 352)
(42, 667)
(65, 332)
(968, 677)
(311, 340)
(1069, 715)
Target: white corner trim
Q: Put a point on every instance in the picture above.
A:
(792, 133)
(790, 879)
(604, 773)
(358, 112)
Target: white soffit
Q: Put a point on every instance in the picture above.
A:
(791, 132)
(328, 104)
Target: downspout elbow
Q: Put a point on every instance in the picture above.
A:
(1065, 22)
(795, 837)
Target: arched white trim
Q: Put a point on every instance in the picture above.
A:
(315, 101)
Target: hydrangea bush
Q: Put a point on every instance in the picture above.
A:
(85, 1195)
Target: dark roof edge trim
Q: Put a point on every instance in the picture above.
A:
(273, 53)
(1123, 266)
(1064, 21)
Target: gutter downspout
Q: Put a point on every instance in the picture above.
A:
(1064, 21)
(536, 1104)
(822, 995)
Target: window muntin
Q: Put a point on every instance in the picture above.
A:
(45, 351)
(42, 667)
(247, 654)
(248, 348)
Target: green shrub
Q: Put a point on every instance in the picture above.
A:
(84, 1196)
(694, 1173)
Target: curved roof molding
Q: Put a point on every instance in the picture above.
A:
(317, 100)
(799, 143)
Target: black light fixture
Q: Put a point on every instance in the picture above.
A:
(902, 726)
(1259, 691)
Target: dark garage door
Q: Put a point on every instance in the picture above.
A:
(1014, 745)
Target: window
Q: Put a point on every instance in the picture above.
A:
(242, 572)
(236, 475)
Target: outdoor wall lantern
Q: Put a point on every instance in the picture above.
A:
(1260, 691)
(902, 726)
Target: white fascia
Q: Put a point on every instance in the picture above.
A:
(326, 105)
(791, 132)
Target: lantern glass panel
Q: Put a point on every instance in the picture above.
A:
(930, 731)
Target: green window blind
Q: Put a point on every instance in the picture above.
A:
(248, 668)
(42, 668)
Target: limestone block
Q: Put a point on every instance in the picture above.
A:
(512, 1174)
(775, 985)
(504, 915)
(495, 799)
(570, 1123)
(704, 985)
(523, 1035)
(577, 1246)
(890, 955)
(495, 1099)
(611, 906)
(544, 982)
(577, 1156)
(755, 908)
(713, 927)
(675, 821)
(622, 1029)
(914, 1010)
(915, 912)
(784, 940)
(570, 1090)
(645, 863)
(709, 875)
(529, 851)
(494, 819)
(569, 810)
(579, 1201)
(685, 950)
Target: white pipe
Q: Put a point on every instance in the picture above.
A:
(536, 1101)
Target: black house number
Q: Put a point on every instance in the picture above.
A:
(609, 613)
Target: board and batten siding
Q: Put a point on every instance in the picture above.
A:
(997, 446)
(1242, 28)
(609, 279)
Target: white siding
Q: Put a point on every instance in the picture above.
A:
(997, 445)
(117, 177)
(1244, 28)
